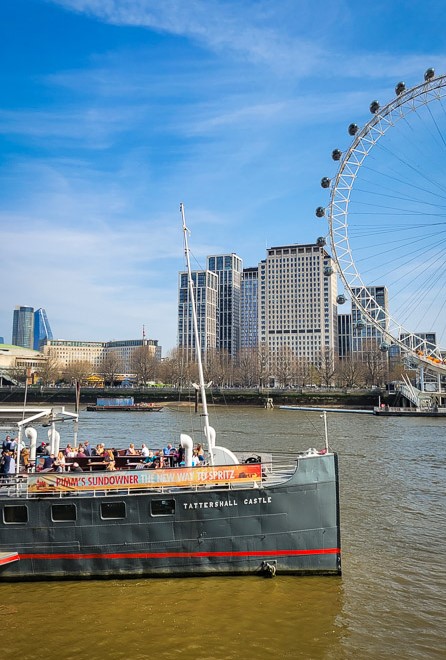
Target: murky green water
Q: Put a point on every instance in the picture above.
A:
(389, 603)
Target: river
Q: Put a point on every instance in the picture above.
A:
(389, 603)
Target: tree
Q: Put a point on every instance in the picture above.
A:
(375, 363)
(247, 371)
(49, 371)
(263, 364)
(177, 368)
(350, 371)
(284, 365)
(326, 366)
(78, 371)
(111, 365)
(144, 364)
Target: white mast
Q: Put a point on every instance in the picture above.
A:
(209, 433)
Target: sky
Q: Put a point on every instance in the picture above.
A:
(115, 111)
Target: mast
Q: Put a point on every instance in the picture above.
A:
(207, 429)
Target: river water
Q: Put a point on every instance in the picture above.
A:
(389, 603)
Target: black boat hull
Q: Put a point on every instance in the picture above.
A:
(287, 528)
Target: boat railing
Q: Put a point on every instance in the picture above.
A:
(276, 468)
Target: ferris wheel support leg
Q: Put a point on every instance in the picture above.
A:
(421, 377)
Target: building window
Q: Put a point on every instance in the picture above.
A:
(162, 507)
(63, 512)
(112, 510)
(15, 514)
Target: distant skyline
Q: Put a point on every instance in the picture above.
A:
(114, 112)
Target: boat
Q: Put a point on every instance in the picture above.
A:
(233, 513)
(126, 404)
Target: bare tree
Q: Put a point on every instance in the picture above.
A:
(144, 364)
(78, 371)
(111, 365)
(284, 365)
(375, 363)
(263, 362)
(325, 366)
(350, 371)
(49, 371)
(303, 373)
(247, 372)
(177, 369)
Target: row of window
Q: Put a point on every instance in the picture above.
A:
(18, 513)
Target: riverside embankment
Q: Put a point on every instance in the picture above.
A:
(334, 398)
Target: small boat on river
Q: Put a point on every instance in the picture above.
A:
(126, 404)
(232, 513)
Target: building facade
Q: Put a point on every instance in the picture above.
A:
(249, 317)
(297, 301)
(42, 328)
(23, 327)
(228, 268)
(68, 352)
(366, 336)
(205, 284)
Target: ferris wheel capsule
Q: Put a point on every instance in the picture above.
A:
(328, 270)
(340, 299)
(325, 182)
(320, 212)
(320, 242)
(360, 324)
(374, 107)
(336, 154)
(400, 88)
(429, 74)
(353, 129)
(384, 347)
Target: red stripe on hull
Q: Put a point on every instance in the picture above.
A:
(191, 555)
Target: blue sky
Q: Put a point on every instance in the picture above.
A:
(115, 111)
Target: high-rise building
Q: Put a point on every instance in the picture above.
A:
(366, 336)
(42, 329)
(23, 327)
(297, 301)
(249, 318)
(229, 269)
(205, 292)
(344, 335)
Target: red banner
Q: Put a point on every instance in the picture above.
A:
(124, 479)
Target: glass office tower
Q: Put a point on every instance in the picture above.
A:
(42, 330)
(23, 327)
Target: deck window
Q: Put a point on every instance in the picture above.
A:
(162, 507)
(15, 514)
(63, 512)
(113, 510)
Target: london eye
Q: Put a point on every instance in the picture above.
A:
(387, 220)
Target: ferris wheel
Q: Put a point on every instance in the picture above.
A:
(387, 220)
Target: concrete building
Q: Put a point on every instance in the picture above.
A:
(297, 301)
(365, 335)
(206, 292)
(249, 317)
(229, 268)
(16, 362)
(68, 352)
(23, 327)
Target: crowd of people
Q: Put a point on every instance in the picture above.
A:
(65, 459)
